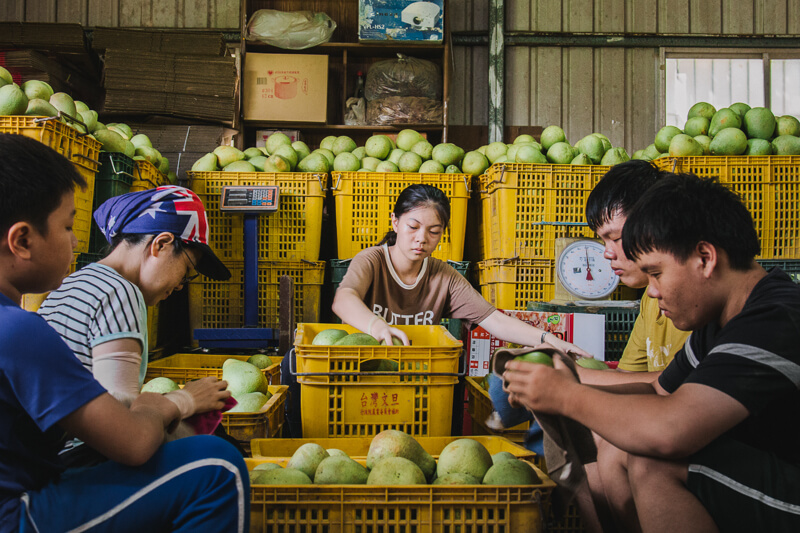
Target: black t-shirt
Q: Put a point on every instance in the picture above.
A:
(754, 359)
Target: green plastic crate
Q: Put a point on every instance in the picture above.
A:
(619, 323)
(114, 177)
(339, 269)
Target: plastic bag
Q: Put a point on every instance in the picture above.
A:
(356, 112)
(293, 30)
(404, 110)
(404, 76)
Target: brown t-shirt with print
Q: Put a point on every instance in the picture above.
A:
(439, 291)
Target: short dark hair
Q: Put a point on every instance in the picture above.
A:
(619, 189)
(33, 180)
(681, 210)
(135, 239)
(419, 195)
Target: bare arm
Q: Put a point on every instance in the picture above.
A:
(510, 329)
(661, 425)
(591, 376)
(126, 435)
(350, 307)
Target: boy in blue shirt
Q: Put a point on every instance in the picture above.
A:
(193, 484)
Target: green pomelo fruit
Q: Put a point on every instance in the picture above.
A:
(786, 145)
(378, 146)
(447, 154)
(423, 148)
(652, 152)
(524, 138)
(759, 123)
(615, 156)
(250, 402)
(357, 339)
(41, 108)
(242, 377)
(37, 89)
(302, 149)
(260, 360)
(327, 142)
(590, 362)
(758, 147)
(248, 153)
(263, 150)
(207, 163)
(511, 153)
(258, 162)
(12, 100)
(342, 144)
(64, 103)
(499, 457)
(5, 77)
(452, 169)
(560, 153)
(394, 443)
(581, 159)
(329, 155)
(431, 167)
(275, 140)
(314, 162)
(239, 166)
(684, 145)
(163, 166)
(482, 149)
(160, 385)
(408, 138)
(110, 141)
(307, 458)
(701, 109)
(386, 166)
(464, 456)
(395, 155)
(696, 126)
(475, 163)
(227, 155)
(141, 139)
(787, 125)
(340, 470)
(639, 154)
(592, 147)
(663, 138)
(287, 152)
(457, 478)
(80, 106)
(266, 466)
(127, 133)
(535, 357)
(335, 452)
(395, 342)
(328, 337)
(511, 473)
(370, 163)
(346, 162)
(705, 143)
(724, 118)
(552, 135)
(360, 152)
(729, 141)
(277, 163)
(149, 153)
(396, 471)
(740, 108)
(281, 476)
(529, 154)
(409, 162)
(89, 118)
(495, 150)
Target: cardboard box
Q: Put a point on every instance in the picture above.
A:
(262, 135)
(400, 20)
(286, 87)
(583, 329)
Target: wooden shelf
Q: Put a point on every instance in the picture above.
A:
(382, 50)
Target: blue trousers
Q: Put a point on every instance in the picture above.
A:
(192, 484)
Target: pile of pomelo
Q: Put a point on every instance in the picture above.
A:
(735, 130)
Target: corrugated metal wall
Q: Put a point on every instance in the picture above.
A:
(611, 90)
(220, 14)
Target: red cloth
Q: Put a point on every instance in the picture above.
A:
(206, 423)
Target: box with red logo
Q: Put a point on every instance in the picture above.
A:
(582, 329)
(285, 87)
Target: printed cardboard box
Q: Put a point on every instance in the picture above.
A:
(400, 20)
(286, 87)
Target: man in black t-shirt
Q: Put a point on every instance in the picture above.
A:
(714, 444)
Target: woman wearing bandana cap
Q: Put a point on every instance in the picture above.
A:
(158, 241)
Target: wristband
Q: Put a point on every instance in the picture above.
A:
(541, 340)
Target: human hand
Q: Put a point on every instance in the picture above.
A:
(538, 387)
(384, 332)
(566, 347)
(208, 394)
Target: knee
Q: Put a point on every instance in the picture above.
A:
(645, 470)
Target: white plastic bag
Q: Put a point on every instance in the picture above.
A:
(293, 30)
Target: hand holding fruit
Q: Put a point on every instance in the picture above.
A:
(386, 334)
(209, 394)
(532, 383)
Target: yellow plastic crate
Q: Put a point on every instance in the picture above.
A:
(291, 234)
(512, 283)
(480, 408)
(417, 399)
(145, 176)
(81, 150)
(769, 187)
(183, 367)
(517, 196)
(364, 203)
(267, 422)
(220, 304)
(379, 508)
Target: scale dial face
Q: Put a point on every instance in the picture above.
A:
(584, 272)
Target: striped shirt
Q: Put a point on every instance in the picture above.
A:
(754, 359)
(96, 305)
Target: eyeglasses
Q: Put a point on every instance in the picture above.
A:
(187, 279)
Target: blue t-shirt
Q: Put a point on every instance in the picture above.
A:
(41, 382)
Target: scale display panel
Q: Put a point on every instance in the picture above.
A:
(249, 198)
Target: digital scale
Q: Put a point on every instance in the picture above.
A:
(251, 201)
(582, 271)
